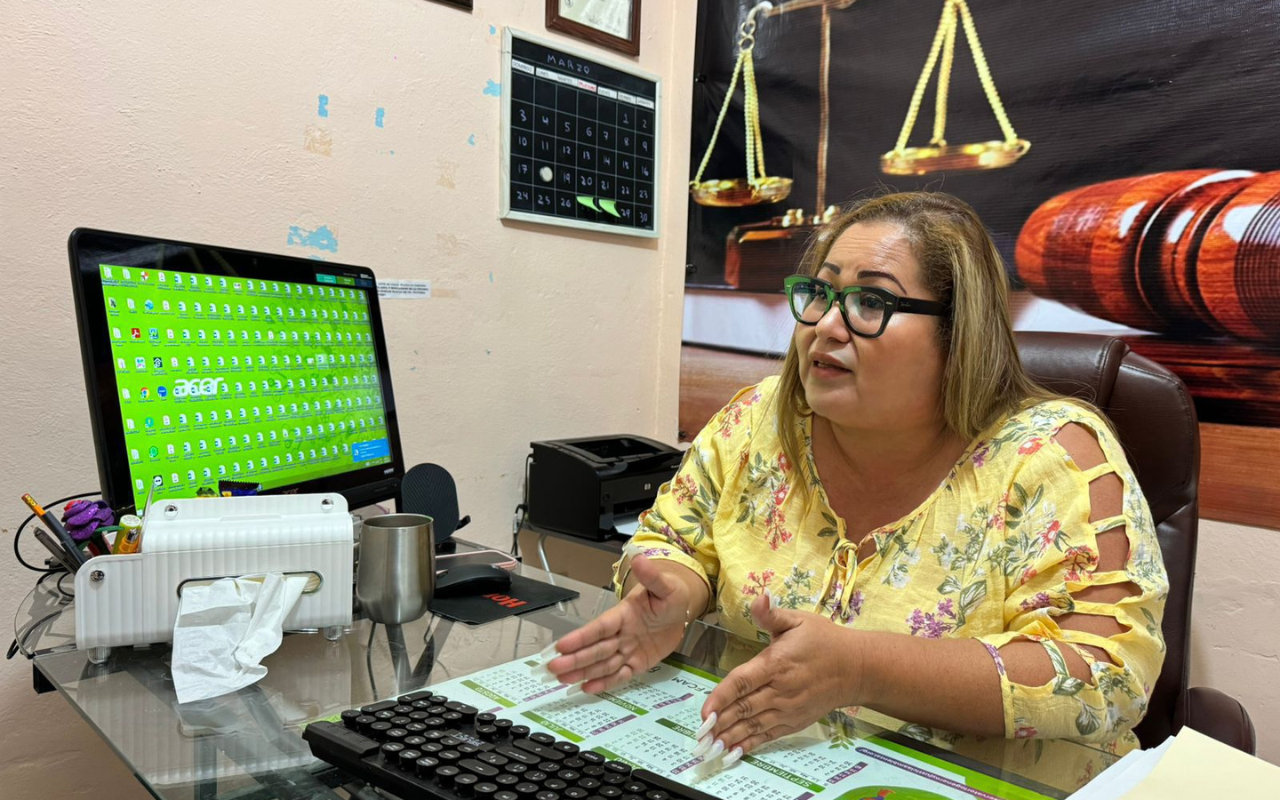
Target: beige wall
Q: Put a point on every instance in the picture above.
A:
(1235, 623)
(189, 120)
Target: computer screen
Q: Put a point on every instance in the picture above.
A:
(207, 364)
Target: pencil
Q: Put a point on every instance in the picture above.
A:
(73, 549)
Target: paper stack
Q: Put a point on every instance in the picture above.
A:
(1189, 765)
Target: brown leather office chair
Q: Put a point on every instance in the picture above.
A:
(1156, 422)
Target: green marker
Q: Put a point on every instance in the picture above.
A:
(608, 205)
(589, 202)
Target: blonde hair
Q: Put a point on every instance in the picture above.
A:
(983, 379)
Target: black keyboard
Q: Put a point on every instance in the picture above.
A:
(424, 746)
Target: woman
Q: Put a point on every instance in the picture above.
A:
(915, 526)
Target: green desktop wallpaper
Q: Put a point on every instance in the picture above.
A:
(223, 378)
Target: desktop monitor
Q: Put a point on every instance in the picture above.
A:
(207, 364)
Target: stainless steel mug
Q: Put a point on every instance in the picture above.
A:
(396, 576)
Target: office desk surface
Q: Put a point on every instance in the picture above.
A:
(248, 744)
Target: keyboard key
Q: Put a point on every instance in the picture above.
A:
(546, 795)
(573, 763)
(349, 718)
(446, 775)
(402, 709)
(526, 790)
(506, 780)
(506, 796)
(478, 768)
(374, 708)
(591, 757)
(414, 741)
(485, 719)
(543, 752)
(400, 721)
(515, 768)
(408, 757)
(519, 731)
(575, 793)
(568, 748)
(543, 738)
(590, 784)
(617, 767)
(391, 752)
(516, 754)
(464, 784)
(384, 714)
(609, 792)
(549, 767)
(486, 790)
(378, 730)
(426, 766)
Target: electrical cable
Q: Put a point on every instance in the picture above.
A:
(522, 510)
(17, 536)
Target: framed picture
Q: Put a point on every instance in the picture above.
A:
(614, 24)
(463, 4)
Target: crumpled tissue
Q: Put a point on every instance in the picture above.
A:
(225, 629)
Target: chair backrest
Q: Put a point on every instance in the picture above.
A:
(1156, 422)
(430, 489)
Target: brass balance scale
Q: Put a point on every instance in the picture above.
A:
(758, 255)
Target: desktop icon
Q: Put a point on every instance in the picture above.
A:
(154, 333)
(128, 276)
(115, 333)
(146, 275)
(111, 303)
(121, 363)
(173, 362)
(157, 362)
(160, 277)
(128, 303)
(163, 392)
(149, 422)
(134, 455)
(165, 420)
(182, 419)
(124, 393)
(168, 334)
(169, 449)
(236, 286)
(106, 272)
(140, 363)
(165, 305)
(144, 393)
(149, 305)
(182, 305)
(154, 452)
(173, 478)
(191, 474)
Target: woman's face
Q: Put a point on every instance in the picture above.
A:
(890, 382)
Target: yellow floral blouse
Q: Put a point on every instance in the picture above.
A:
(993, 554)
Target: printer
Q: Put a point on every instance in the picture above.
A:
(585, 486)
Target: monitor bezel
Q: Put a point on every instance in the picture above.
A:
(89, 248)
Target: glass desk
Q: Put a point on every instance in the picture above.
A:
(249, 745)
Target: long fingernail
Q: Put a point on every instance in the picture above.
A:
(703, 745)
(768, 596)
(716, 750)
(549, 677)
(731, 758)
(775, 601)
(549, 653)
(574, 689)
(706, 726)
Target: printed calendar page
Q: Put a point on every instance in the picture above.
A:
(650, 723)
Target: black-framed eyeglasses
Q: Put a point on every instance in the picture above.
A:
(866, 309)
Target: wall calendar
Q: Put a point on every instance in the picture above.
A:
(580, 139)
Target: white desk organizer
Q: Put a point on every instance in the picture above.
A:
(133, 599)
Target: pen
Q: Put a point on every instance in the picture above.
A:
(69, 544)
(59, 554)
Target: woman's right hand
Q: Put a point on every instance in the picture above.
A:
(634, 635)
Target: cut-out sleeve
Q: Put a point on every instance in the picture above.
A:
(1050, 555)
(679, 526)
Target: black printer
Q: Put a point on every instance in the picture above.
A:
(582, 486)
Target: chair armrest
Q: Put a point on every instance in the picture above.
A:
(1220, 717)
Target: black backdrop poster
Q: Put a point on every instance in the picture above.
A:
(1158, 115)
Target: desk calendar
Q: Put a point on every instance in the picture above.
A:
(580, 139)
(649, 723)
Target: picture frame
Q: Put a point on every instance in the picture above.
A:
(465, 5)
(561, 18)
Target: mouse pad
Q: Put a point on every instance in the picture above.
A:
(524, 595)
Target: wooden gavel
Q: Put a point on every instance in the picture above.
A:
(1191, 254)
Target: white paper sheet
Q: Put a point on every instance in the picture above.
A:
(225, 629)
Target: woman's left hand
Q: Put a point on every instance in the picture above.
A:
(807, 670)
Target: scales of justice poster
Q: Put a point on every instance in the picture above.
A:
(1122, 153)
